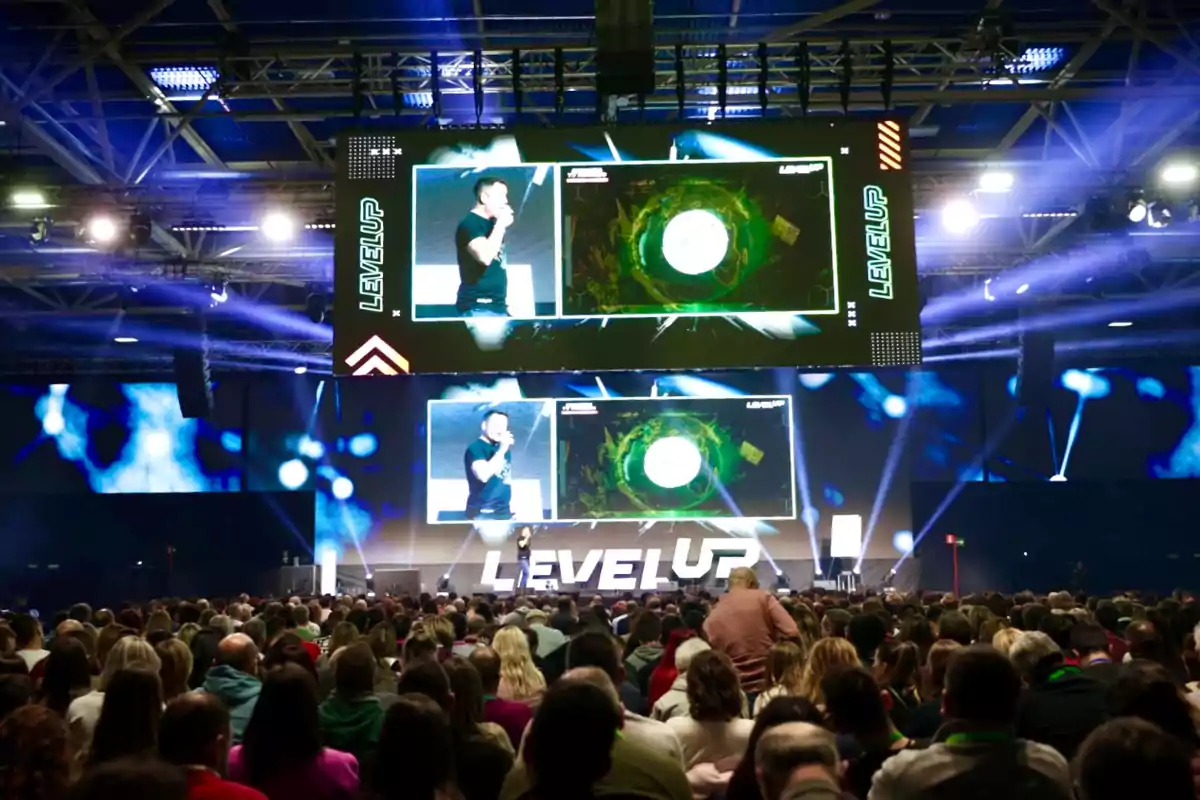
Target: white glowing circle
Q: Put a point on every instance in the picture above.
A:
(156, 444)
(310, 448)
(959, 216)
(53, 423)
(278, 227)
(1058, 478)
(293, 474)
(102, 229)
(672, 461)
(895, 406)
(342, 488)
(695, 242)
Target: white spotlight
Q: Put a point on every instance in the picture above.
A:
(1023, 288)
(278, 226)
(996, 181)
(125, 340)
(959, 216)
(29, 199)
(1138, 211)
(300, 370)
(1120, 324)
(102, 229)
(1179, 173)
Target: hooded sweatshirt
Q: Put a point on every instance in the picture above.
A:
(641, 662)
(238, 691)
(352, 724)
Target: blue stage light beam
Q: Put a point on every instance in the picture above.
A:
(895, 450)
(809, 515)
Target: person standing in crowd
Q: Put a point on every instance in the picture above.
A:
(194, 736)
(234, 679)
(415, 759)
(29, 640)
(128, 724)
(714, 731)
(976, 752)
(797, 761)
(36, 759)
(1062, 705)
(674, 702)
(785, 673)
(352, 716)
(281, 754)
(744, 625)
(510, 715)
(825, 656)
(1131, 757)
(519, 678)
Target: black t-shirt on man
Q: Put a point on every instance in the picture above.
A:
(523, 550)
(488, 499)
(481, 287)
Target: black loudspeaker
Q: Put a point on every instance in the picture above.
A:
(193, 377)
(624, 47)
(1035, 369)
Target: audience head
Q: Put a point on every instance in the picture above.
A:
(28, 631)
(1088, 640)
(866, 632)
(826, 654)
(791, 747)
(855, 705)
(239, 652)
(714, 690)
(487, 663)
(1145, 641)
(1129, 757)
(785, 666)
(176, 668)
(35, 754)
(783, 709)
(569, 744)
(415, 756)
(1035, 655)
(428, 678)
(129, 653)
(354, 671)
(600, 650)
(128, 724)
(898, 665)
(836, 623)
(143, 778)
(15, 691)
(283, 731)
(67, 673)
(982, 688)
(419, 646)
(955, 626)
(939, 658)
(467, 690)
(743, 578)
(687, 651)
(195, 731)
(1146, 690)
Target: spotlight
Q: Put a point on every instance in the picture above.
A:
(1120, 324)
(996, 181)
(278, 226)
(125, 340)
(959, 216)
(782, 582)
(1137, 210)
(300, 370)
(1023, 288)
(443, 584)
(39, 231)
(1158, 214)
(219, 293)
(29, 199)
(102, 229)
(1179, 173)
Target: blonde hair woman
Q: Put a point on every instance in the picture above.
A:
(519, 678)
(129, 652)
(826, 654)
(785, 673)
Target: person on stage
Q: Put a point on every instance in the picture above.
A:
(488, 463)
(483, 282)
(524, 542)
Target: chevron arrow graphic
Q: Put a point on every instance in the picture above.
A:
(376, 355)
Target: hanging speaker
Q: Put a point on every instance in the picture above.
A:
(624, 47)
(193, 377)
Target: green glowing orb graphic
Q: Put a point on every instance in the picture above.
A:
(695, 242)
(671, 462)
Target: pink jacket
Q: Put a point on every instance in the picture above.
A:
(744, 625)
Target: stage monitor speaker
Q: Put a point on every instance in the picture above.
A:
(193, 376)
(624, 47)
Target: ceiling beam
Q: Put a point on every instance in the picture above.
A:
(948, 69)
(818, 20)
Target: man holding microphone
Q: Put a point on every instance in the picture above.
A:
(479, 240)
(488, 463)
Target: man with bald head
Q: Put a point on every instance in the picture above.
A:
(234, 679)
(194, 736)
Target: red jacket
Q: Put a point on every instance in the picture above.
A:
(204, 784)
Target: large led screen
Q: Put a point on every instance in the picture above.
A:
(647, 247)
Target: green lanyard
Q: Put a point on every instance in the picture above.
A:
(1062, 671)
(896, 737)
(976, 738)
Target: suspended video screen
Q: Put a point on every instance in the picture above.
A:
(640, 247)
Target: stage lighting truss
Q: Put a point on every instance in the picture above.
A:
(191, 79)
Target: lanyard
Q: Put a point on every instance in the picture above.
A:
(896, 737)
(974, 738)
(1062, 672)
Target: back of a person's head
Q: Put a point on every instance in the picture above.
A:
(982, 687)
(129, 652)
(1129, 757)
(1058, 627)
(283, 730)
(866, 632)
(743, 578)
(1088, 638)
(955, 626)
(239, 652)
(836, 622)
(176, 658)
(427, 678)
(855, 704)
(687, 651)
(714, 690)
(936, 663)
(1035, 655)
(487, 663)
(569, 744)
(27, 629)
(787, 747)
(194, 731)
(35, 755)
(743, 783)
(354, 670)
(901, 664)
(415, 756)
(129, 717)
(419, 646)
(595, 649)
(15, 691)
(1146, 690)
(66, 671)
(1107, 615)
(127, 778)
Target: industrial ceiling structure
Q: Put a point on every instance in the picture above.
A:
(194, 126)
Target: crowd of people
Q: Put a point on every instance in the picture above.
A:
(743, 696)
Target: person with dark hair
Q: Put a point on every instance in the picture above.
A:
(510, 715)
(1130, 757)
(924, 720)
(382, 641)
(281, 754)
(234, 679)
(836, 623)
(1089, 643)
(194, 736)
(204, 646)
(415, 759)
(976, 752)
(1146, 690)
(643, 650)
(919, 631)
(898, 671)
(128, 724)
(743, 785)
(466, 713)
(29, 640)
(575, 749)
(866, 633)
(479, 239)
(564, 619)
(35, 755)
(66, 675)
(857, 712)
(1109, 618)
(1149, 641)
(352, 716)
(1063, 704)
(1058, 627)
(955, 626)
(15, 691)
(488, 465)
(714, 731)
(745, 624)
(141, 778)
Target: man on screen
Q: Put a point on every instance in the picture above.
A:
(483, 283)
(488, 463)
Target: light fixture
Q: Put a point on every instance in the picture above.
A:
(29, 199)
(102, 229)
(995, 181)
(959, 216)
(1158, 214)
(1137, 210)
(1179, 173)
(219, 293)
(278, 226)
(184, 78)
(1120, 324)
(125, 340)
(1023, 288)
(300, 370)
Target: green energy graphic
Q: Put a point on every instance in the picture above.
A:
(667, 464)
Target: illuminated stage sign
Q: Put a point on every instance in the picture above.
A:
(629, 569)
(667, 246)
